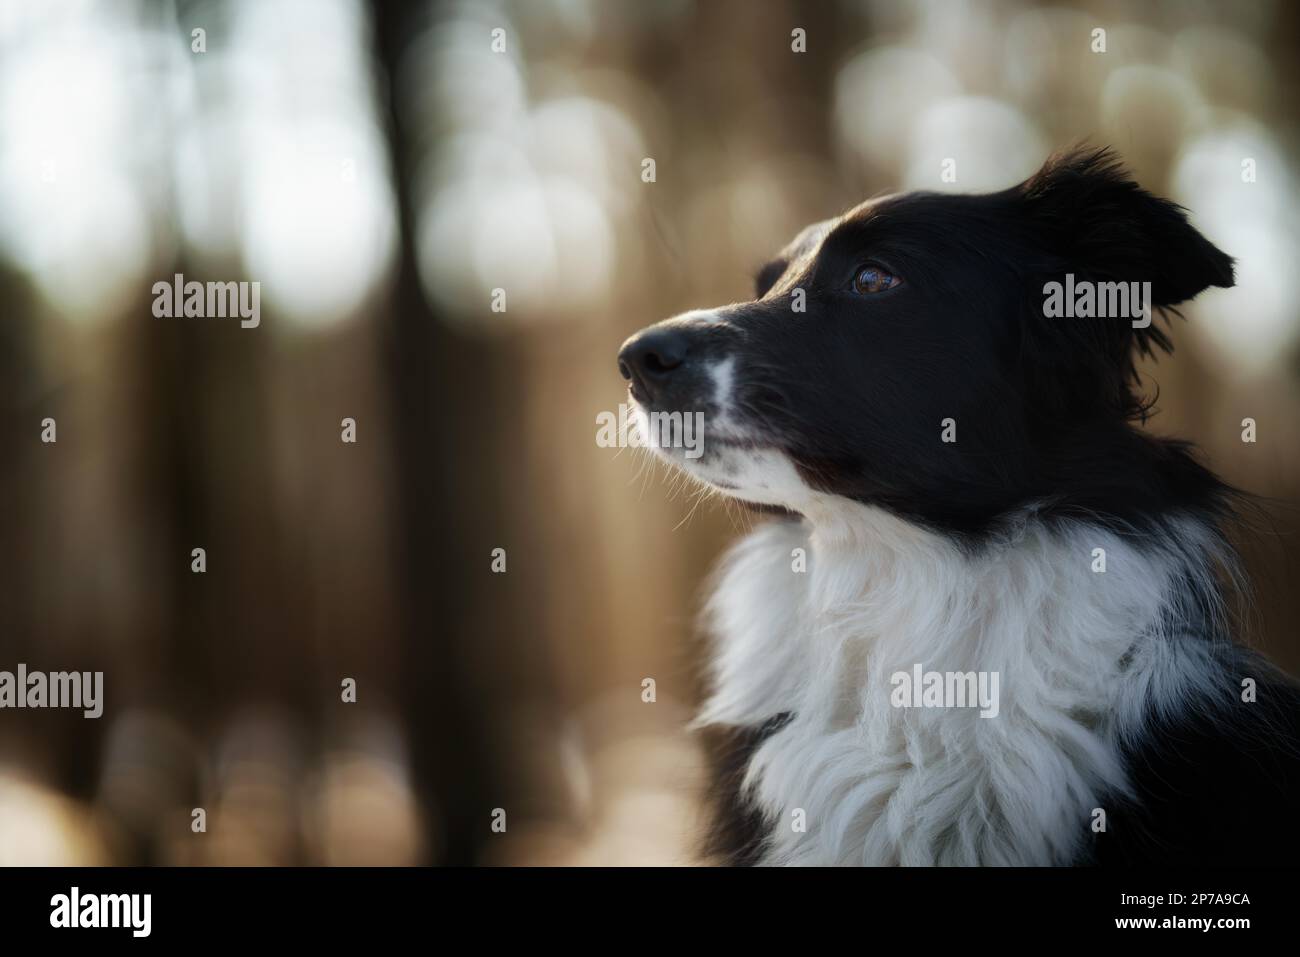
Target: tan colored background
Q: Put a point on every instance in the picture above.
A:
(380, 170)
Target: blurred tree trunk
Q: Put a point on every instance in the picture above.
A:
(444, 395)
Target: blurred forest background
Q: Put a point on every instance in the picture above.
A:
(380, 169)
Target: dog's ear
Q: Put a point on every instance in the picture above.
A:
(1089, 218)
(1105, 227)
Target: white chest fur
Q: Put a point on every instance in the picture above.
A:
(1081, 656)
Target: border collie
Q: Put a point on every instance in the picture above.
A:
(962, 492)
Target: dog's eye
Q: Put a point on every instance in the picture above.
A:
(873, 277)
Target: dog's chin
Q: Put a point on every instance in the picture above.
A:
(741, 463)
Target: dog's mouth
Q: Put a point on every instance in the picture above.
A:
(742, 443)
(695, 433)
(719, 451)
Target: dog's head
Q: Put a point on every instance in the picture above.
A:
(911, 354)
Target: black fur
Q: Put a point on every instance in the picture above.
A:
(1215, 786)
(736, 832)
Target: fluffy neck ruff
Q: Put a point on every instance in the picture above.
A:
(1085, 659)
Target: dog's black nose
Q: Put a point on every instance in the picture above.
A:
(650, 356)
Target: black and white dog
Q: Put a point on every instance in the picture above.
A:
(966, 502)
